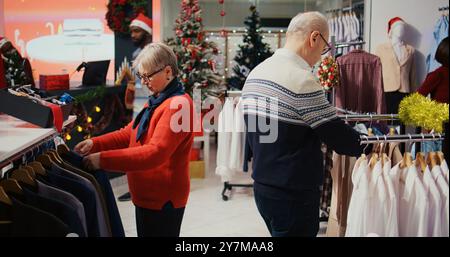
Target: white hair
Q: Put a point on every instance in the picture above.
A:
(156, 56)
(305, 23)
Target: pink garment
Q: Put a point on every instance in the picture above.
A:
(361, 84)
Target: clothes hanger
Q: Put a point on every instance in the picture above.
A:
(4, 198)
(38, 168)
(22, 175)
(45, 161)
(11, 186)
(62, 149)
(407, 160)
(53, 157)
(420, 158)
(375, 156)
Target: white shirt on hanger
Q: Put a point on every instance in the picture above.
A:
(413, 204)
(225, 130)
(358, 209)
(379, 205)
(444, 190)
(237, 147)
(444, 169)
(392, 203)
(435, 204)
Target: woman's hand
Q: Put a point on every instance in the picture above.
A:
(92, 162)
(84, 148)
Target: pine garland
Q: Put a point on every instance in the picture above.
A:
(96, 93)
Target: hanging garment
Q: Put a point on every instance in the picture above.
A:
(444, 190)
(237, 139)
(82, 193)
(225, 128)
(397, 76)
(342, 188)
(435, 204)
(444, 168)
(64, 212)
(372, 203)
(63, 196)
(358, 209)
(392, 207)
(414, 205)
(361, 82)
(103, 181)
(104, 228)
(440, 32)
(436, 84)
(28, 221)
(327, 187)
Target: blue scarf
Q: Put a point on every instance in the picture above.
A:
(143, 119)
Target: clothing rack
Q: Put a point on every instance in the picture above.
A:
(369, 117)
(19, 155)
(23, 157)
(347, 9)
(232, 93)
(402, 138)
(227, 185)
(348, 44)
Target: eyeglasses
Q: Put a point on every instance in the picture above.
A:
(148, 77)
(328, 48)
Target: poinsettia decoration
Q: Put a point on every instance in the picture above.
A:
(328, 73)
(122, 12)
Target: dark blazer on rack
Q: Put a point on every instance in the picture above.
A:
(28, 221)
(103, 180)
(82, 193)
(61, 210)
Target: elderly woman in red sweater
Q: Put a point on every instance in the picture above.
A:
(152, 149)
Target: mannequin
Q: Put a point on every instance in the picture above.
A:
(397, 59)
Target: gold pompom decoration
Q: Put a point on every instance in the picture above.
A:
(418, 110)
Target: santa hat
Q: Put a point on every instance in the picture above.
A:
(393, 22)
(143, 22)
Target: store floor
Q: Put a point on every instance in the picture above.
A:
(207, 215)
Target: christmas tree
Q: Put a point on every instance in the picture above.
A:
(251, 53)
(17, 69)
(194, 53)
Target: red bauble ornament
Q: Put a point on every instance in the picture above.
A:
(221, 1)
(222, 13)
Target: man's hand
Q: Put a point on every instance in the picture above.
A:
(84, 148)
(92, 162)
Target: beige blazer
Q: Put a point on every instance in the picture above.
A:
(397, 76)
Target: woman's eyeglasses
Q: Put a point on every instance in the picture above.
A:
(148, 77)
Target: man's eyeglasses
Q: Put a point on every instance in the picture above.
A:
(328, 48)
(148, 77)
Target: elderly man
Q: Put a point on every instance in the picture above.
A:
(288, 169)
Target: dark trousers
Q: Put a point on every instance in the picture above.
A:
(393, 100)
(297, 217)
(159, 223)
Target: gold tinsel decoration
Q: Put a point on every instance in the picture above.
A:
(418, 110)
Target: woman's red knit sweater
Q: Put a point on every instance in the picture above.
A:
(157, 167)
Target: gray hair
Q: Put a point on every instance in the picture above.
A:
(156, 56)
(304, 23)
